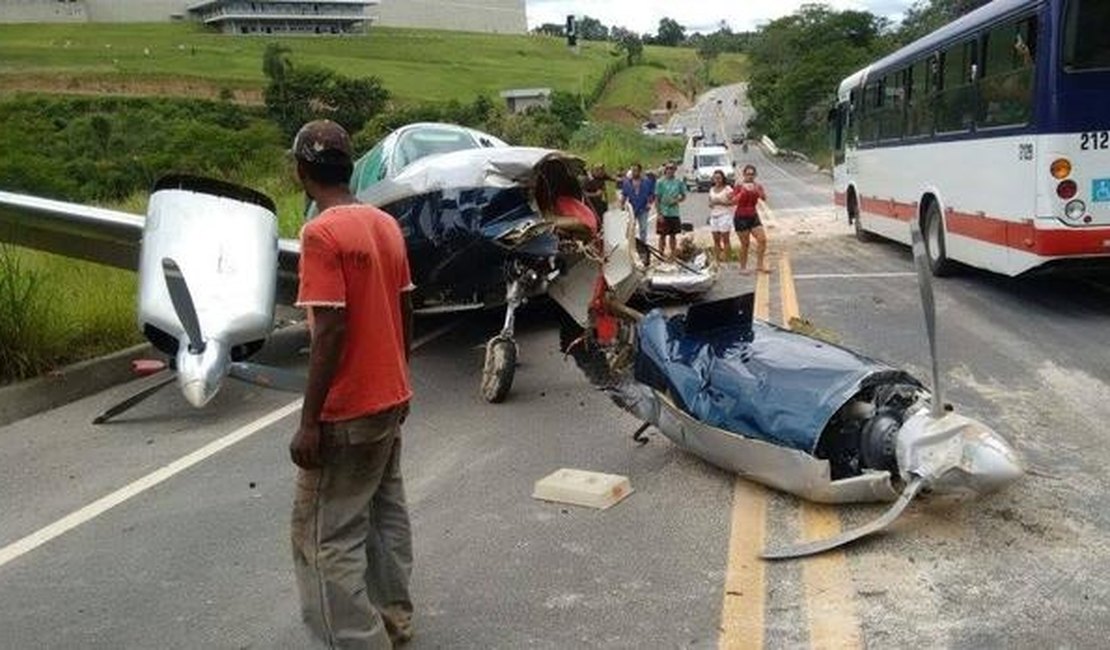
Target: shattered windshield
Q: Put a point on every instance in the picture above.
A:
(1087, 35)
(422, 143)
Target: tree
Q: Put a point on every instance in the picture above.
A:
(312, 92)
(276, 65)
(592, 29)
(670, 33)
(628, 43)
(550, 29)
(797, 62)
(925, 16)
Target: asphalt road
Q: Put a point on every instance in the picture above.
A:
(202, 558)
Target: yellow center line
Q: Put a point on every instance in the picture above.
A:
(745, 582)
(744, 604)
(829, 600)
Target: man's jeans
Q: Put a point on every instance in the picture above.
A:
(352, 544)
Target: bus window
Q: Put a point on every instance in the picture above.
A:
(869, 116)
(956, 99)
(1085, 27)
(1006, 85)
(919, 113)
(890, 120)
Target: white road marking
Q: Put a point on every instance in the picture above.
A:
(106, 503)
(102, 505)
(840, 276)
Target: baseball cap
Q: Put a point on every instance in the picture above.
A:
(324, 142)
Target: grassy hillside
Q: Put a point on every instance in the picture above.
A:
(415, 65)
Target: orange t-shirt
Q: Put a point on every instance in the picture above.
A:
(354, 257)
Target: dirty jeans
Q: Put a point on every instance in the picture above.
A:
(352, 544)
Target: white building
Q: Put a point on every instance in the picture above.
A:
(519, 100)
(497, 16)
(285, 17)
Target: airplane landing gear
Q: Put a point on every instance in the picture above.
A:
(500, 365)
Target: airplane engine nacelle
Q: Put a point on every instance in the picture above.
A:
(224, 240)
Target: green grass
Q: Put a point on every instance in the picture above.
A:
(55, 310)
(617, 147)
(632, 89)
(415, 65)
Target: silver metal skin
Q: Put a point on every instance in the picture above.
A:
(778, 467)
(85, 232)
(955, 455)
(201, 375)
(226, 250)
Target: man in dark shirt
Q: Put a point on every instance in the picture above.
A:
(595, 190)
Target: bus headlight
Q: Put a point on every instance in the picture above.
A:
(1075, 209)
(1061, 168)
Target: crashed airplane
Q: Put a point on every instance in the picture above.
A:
(792, 412)
(479, 217)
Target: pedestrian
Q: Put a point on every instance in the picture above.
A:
(670, 192)
(595, 191)
(638, 194)
(721, 208)
(352, 546)
(747, 194)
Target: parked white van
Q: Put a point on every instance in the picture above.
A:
(699, 163)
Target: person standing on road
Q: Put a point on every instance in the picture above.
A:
(669, 193)
(352, 545)
(721, 207)
(638, 193)
(746, 195)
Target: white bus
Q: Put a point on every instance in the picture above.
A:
(993, 132)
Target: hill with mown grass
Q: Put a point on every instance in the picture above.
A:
(414, 65)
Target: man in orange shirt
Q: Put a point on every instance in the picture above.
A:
(352, 545)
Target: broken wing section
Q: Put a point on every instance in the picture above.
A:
(95, 234)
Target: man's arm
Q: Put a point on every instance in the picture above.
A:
(329, 334)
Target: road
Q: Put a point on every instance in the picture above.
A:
(202, 559)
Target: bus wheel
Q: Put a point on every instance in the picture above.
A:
(939, 263)
(853, 216)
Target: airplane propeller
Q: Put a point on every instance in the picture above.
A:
(185, 308)
(268, 376)
(931, 463)
(183, 304)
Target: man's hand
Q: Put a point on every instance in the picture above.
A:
(304, 449)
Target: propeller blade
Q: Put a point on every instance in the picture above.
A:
(822, 545)
(133, 400)
(183, 303)
(268, 376)
(925, 283)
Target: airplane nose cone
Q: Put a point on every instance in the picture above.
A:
(197, 393)
(991, 462)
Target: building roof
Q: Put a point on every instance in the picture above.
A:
(525, 92)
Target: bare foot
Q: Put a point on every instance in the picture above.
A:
(764, 270)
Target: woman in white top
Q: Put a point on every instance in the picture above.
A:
(720, 216)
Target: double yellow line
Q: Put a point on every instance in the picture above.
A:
(827, 585)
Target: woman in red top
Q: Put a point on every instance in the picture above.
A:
(745, 220)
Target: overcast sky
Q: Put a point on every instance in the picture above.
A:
(643, 16)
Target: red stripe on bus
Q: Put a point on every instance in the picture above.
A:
(840, 198)
(1020, 235)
